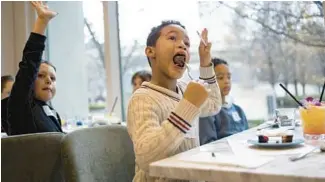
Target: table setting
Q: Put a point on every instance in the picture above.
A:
(289, 147)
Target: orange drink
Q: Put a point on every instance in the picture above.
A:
(313, 121)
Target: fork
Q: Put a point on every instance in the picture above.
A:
(302, 155)
(188, 71)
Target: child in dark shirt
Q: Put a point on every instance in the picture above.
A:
(231, 119)
(35, 84)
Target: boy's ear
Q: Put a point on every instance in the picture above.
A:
(150, 52)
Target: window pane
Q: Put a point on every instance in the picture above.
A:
(268, 43)
(94, 43)
(135, 22)
(66, 50)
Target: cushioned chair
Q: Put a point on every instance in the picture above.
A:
(99, 154)
(31, 158)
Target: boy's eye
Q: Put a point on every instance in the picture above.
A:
(41, 75)
(172, 37)
(53, 78)
(220, 77)
(187, 44)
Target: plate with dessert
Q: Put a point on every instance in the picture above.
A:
(275, 138)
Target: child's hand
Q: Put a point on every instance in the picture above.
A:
(196, 94)
(204, 50)
(43, 11)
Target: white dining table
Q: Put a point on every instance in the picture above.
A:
(278, 169)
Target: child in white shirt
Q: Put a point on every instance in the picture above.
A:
(163, 114)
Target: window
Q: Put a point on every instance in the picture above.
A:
(76, 54)
(265, 43)
(135, 22)
(94, 45)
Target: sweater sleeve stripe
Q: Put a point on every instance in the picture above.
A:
(179, 122)
(181, 119)
(172, 122)
(210, 80)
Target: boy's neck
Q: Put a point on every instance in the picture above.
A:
(164, 82)
(223, 99)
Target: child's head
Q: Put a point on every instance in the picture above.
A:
(140, 77)
(167, 49)
(223, 75)
(6, 85)
(45, 83)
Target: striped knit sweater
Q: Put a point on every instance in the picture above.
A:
(161, 123)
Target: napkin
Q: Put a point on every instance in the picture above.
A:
(227, 160)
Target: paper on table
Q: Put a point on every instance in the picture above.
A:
(242, 148)
(227, 160)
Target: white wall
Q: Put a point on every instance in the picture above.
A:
(17, 19)
(7, 39)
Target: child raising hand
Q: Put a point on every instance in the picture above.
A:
(35, 84)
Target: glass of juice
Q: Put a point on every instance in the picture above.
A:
(313, 122)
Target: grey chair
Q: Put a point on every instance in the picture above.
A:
(99, 154)
(31, 158)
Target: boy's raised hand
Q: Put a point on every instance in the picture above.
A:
(43, 11)
(196, 93)
(204, 50)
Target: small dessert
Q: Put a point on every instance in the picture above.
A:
(275, 136)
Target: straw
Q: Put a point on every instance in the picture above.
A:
(293, 97)
(198, 33)
(321, 95)
(112, 110)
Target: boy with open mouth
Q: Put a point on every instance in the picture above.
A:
(163, 114)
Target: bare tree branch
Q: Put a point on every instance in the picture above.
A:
(285, 13)
(264, 25)
(128, 59)
(320, 7)
(96, 42)
(99, 48)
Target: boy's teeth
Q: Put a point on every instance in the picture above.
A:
(179, 58)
